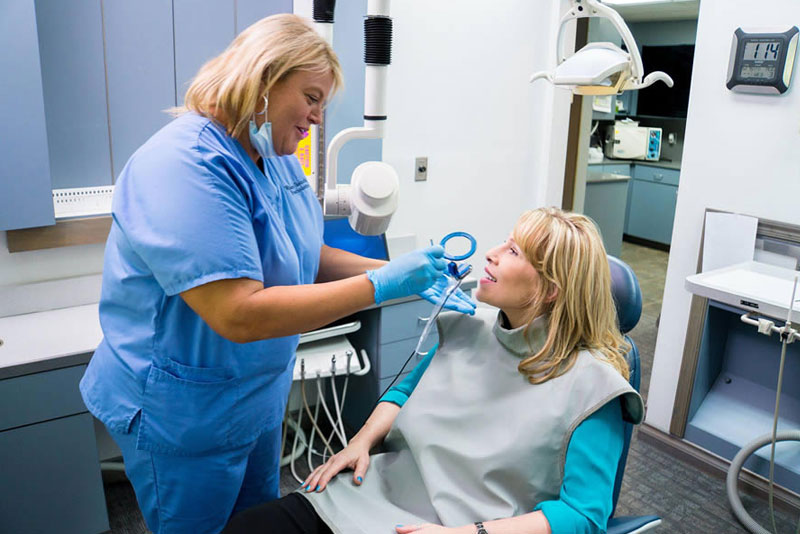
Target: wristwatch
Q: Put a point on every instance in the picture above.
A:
(479, 526)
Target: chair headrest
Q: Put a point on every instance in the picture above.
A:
(626, 292)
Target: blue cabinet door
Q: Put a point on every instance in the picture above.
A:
(652, 211)
(141, 72)
(250, 11)
(25, 192)
(73, 77)
(203, 29)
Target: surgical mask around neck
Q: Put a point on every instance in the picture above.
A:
(261, 138)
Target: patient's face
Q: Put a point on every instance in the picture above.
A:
(510, 282)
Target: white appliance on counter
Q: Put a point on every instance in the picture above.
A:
(627, 140)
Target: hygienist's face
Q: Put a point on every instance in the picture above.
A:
(510, 281)
(295, 103)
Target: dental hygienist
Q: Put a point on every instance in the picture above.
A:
(213, 266)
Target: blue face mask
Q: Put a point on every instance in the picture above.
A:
(261, 138)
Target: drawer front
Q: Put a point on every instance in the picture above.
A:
(51, 481)
(403, 321)
(394, 355)
(657, 175)
(618, 168)
(40, 397)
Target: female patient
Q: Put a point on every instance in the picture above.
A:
(515, 425)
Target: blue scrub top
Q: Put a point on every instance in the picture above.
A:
(191, 207)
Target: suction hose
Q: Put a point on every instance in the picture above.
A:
(733, 476)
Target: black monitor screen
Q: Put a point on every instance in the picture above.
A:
(659, 100)
(339, 234)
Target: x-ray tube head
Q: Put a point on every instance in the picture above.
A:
(373, 196)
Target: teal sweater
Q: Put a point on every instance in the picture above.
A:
(585, 501)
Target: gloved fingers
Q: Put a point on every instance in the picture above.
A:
(461, 303)
(435, 251)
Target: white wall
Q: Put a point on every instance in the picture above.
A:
(459, 94)
(740, 155)
(50, 264)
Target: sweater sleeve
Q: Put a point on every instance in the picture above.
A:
(400, 393)
(585, 500)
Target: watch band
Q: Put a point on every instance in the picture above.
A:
(479, 526)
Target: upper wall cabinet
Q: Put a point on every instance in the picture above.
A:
(73, 79)
(25, 198)
(91, 81)
(203, 28)
(140, 63)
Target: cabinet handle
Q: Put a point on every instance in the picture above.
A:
(658, 177)
(422, 319)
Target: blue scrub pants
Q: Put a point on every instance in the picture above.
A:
(198, 494)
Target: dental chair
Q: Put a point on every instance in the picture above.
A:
(628, 300)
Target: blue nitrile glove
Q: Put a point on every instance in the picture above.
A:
(458, 301)
(409, 274)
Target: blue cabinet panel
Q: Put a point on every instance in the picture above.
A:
(141, 72)
(250, 11)
(51, 481)
(41, 396)
(73, 77)
(25, 191)
(617, 168)
(403, 321)
(652, 210)
(605, 204)
(203, 28)
(657, 174)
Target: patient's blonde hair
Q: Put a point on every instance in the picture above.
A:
(230, 86)
(568, 254)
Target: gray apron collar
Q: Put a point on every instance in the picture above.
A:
(516, 341)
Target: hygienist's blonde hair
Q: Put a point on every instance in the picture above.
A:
(230, 87)
(567, 253)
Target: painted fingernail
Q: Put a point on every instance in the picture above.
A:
(317, 488)
(308, 488)
(360, 480)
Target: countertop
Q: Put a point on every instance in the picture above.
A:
(605, 177)
(675, 165)
(54, 339)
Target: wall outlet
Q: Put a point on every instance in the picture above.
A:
(421, 169)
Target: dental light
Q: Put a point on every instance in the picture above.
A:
(600, 68)
(371, 198)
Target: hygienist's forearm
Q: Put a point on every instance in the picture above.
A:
(378, 424)
(288, 310)
(532, 523)
(337, 264)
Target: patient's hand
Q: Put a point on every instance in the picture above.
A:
(355, 456)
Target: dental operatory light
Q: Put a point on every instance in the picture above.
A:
(599, 68)
(370, 200)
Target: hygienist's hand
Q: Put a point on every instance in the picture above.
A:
(409, 274)
(458, 301)
(355, 456)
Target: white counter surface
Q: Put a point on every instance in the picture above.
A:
(35, 342)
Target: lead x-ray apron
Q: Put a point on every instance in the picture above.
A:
(475, 441)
